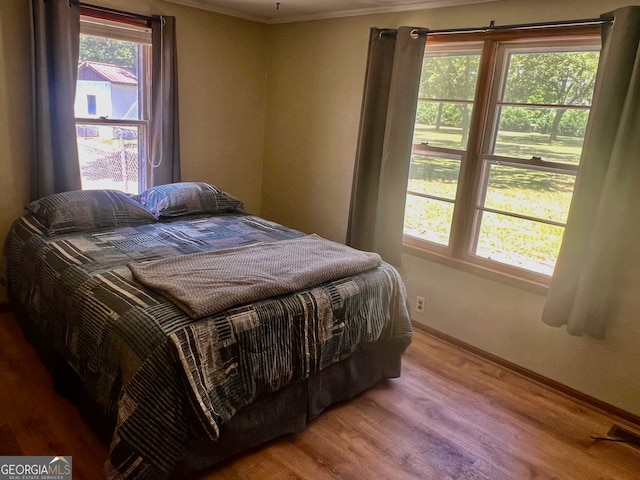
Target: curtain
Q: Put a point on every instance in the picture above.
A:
(165, 131)
(601, 230)
(392, 80)
(55, 43)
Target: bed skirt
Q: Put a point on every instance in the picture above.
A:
(286, 411)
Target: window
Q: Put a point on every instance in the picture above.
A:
(91, 104)
(499, 129)
(445, 105)
(112, 104)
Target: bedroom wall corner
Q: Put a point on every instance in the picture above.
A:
(313, 104)
(222, 103)
(222, 89)
(15, 115)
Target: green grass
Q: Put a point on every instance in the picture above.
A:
(447, 137)
(527, 145)
(516, 144)
(533, 193)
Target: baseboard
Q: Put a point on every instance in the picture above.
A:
(605, 407)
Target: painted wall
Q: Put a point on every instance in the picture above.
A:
(15, 118)
(101, 91)
(222, 89)
(124, 101)
(315, 77)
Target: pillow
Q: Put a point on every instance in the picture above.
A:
(85, 210)
(185, 198)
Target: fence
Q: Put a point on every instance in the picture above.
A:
(108, 158)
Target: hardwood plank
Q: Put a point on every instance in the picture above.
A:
(8, 443)
(530, 375)
(42, 422)
(452, 415)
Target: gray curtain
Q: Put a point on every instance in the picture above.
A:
(383, 157)
(165, 128)
(55, 43)
(602, 230)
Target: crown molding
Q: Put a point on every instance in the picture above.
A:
(202, 4)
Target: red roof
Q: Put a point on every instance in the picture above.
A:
(111, 73)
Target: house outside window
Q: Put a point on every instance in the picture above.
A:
(112, 105)
(499, 129)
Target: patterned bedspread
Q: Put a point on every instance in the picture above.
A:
(136, 351)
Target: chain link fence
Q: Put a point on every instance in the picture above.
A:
(108, 157)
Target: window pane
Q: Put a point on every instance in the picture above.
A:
(109, 157)
(442, 124)
(91, 104)
(428, 219)
(548, 76)
(529, 191)
(434, 176)
(109, 71)
(521, 243)
(560, 77)
(450, 76)
(447, 89)
(553, 134)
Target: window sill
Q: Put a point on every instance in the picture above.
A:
(481, 271)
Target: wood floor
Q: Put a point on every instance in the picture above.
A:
(451, 415)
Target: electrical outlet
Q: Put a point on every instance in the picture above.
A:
(420, 304)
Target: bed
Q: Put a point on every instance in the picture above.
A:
(176, 385)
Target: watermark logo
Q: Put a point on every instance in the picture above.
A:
(36, 468)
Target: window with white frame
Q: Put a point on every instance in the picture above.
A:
(112, 105)
(499, 130)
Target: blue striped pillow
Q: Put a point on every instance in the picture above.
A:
(185, 198)
(86, 210)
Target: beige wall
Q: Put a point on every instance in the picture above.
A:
(315, 76)
(15, 121)
(222, 88)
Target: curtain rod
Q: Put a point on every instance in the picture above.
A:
(136, 16)
(492, 26)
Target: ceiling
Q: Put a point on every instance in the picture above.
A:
(269, 11)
